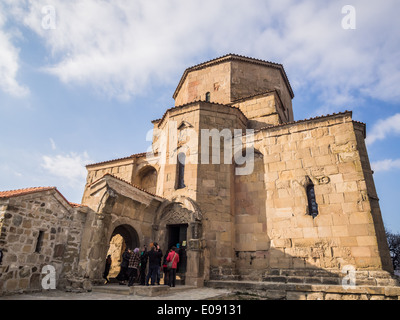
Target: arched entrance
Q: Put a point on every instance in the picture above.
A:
(177, 237)
(123, 237)
(180, 221)
(129, 234)
(116, 208)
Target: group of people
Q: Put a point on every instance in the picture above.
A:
(134, 266)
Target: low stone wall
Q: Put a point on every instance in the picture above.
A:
(330, 277)
(291, 291)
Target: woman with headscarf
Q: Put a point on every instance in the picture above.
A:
(133, 266)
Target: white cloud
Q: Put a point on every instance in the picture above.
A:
(120, 47)
(385, 165)
(9, 62)
(53, 144)
(383, 128)
(18, 174)
(70, 167)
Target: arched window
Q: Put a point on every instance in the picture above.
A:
(312, 202)
(208, 97)
(147, 179)
(181, 171)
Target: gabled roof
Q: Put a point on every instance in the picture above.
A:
(122, 180)
(159, 121)
(345, 113)
(234, 57)
(23, 192)
(76, 205)
(134, 156)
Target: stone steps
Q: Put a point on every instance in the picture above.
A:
(144, 291)
(303, 291)
(323, 280)
(113, 289)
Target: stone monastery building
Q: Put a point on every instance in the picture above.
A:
(307, 209)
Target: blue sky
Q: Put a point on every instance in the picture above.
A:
(84, 89)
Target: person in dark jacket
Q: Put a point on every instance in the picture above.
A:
(159, 263)
(182, 266)
(107, 268)
(143, 265)
(123, 274)
(134, 262)
(155, 256)
(165, 269)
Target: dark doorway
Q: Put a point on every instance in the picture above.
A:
(178, 234)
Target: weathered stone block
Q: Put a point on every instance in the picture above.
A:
(315, 296)
(340, 231)
(333, 296)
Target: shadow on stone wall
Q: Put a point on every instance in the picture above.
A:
(297, 270)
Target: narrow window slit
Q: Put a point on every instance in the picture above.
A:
(39, 242)
(312, 202)
(181, 171)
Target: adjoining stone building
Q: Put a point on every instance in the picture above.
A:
(308, 208)
(38, 227)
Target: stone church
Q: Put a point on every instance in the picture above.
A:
(307, 209)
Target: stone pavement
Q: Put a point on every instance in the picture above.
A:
(177, 294)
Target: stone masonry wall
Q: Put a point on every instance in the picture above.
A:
(23, 218)
(114, 203)
(214, 79)
(215, 184)
(263, 111)
(122, 169)
(250, 79)
(325, 152)
(132, 170)
(372, 196)
(252, 242)
(172, 127)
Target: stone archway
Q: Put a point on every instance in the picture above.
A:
(147, 179)
(117, 207)
(179, 211)
(129, 234)
(182, 212)
(124, 236)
